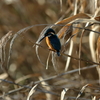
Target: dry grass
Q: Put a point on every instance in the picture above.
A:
(29, 70)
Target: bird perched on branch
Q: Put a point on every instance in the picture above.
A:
(52, 40)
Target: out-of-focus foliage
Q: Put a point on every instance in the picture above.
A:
(25, 69)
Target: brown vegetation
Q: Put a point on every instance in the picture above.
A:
(29, 70)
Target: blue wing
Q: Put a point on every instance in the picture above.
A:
(55, 42)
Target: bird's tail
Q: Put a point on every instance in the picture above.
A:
(58, 53)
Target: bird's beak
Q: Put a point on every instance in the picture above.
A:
(41, 38)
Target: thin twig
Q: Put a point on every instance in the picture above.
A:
(65, 73)
(80, 59)
(47, 79)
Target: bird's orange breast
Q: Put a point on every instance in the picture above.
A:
(49, 44)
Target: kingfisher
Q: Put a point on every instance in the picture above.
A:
(52, 40)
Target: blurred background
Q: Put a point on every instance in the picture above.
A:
(24, 66)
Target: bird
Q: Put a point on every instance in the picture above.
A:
(52, 40)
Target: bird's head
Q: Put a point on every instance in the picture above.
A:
(49, 32)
